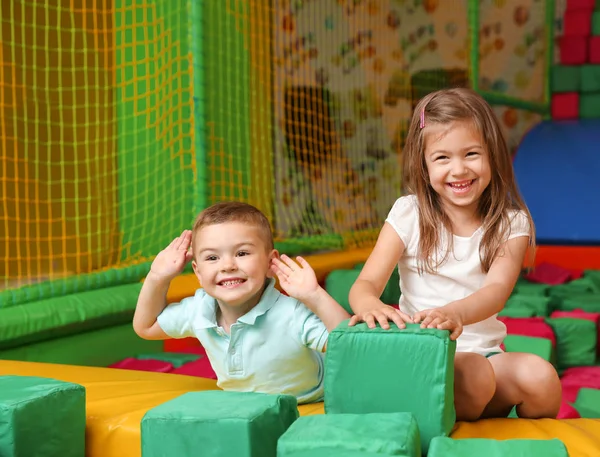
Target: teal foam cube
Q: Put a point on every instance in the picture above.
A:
(477, 447)
(241, 424)
(41, 417)
(388, 371)
(383, 434)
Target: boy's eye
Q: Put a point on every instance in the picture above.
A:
(243, 253)
(211, 258)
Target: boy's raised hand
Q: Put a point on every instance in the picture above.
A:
(171, 261)
(298, 280)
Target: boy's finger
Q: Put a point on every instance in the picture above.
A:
(283, 267)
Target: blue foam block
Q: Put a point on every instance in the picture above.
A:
(557, 168)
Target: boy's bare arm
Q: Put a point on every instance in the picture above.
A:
(299, 281)
(153, 297)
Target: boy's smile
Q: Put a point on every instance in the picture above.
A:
(232, 263)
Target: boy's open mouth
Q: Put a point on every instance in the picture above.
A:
(231, 282)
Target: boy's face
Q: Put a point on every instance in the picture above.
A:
(232, 262)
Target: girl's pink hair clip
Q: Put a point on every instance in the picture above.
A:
(422, 124)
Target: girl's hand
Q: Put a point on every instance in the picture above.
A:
(298, 280)
(381, 314)
(171, 261)
(442, 319)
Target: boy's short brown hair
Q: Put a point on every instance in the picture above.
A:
(224, 212)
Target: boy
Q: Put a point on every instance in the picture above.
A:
(256, 338)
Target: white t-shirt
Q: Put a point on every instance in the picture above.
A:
(459, 276)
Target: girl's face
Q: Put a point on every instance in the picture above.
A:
(458, 164)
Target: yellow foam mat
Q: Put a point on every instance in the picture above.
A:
(118, 399)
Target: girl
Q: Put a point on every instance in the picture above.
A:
(459, 239)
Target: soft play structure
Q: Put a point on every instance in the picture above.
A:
(121, 119)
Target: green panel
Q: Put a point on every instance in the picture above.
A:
(41, 417)
(576, 341)
(590, 78)
(587, 403)
(596, 23)
(566, 78)
(323, 435)
(226, 75)
(589, 106)
(478, 447)
(538, 346)
(67, 315)
(240, 424)
(98, 348)
(365, 365)
(154, 116)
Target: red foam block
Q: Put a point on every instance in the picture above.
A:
(573, 49)
(529, 326)
(565, 106)
(566, 411)
(548, 273)
(577, 378)
(200, 368)
(594, 50)
(575, 5)
(131, 363)
(577, 23)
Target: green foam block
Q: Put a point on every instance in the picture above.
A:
(596, 23)
(587, 403)
(539, 306)
(589, 106)
(41, 417)
(575, 341)
(538, 346)
(241, 424)
(477, 447)
(388, 371)
(525, 287)
(177, 359)
(566, 78)
(590, 78)
(383, 434)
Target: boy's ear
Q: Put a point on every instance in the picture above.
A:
(273, 255)
(196, 271)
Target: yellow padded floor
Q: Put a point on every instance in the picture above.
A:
(118, 399)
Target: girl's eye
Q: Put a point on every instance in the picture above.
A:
(440, 158)
(472, 153)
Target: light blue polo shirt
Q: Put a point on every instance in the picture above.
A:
(276, 347)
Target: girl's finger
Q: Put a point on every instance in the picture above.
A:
(405, 317)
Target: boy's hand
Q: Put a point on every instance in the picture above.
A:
(381, 314)
(442, 319)
(298, 281)
(171, 261)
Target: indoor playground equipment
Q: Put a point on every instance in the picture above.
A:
(121, 119)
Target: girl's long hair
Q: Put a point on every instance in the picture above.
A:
(499, 198)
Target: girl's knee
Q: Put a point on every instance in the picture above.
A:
(475, 385)
(539, 377)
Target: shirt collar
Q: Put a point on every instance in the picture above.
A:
(207, 315)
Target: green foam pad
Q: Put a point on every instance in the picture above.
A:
(41, 417)
(517, 312)
(587, 403)
(339, 282)
(566, 78)
(382, 434)
(540, 306)
(241, 424)
(575, 341)
(538, 346)
(524, 287)
(590, 78)
(596, 23)
(372, 370)
(177, 359)
(585, 302)
(589, 106)
(477, 447)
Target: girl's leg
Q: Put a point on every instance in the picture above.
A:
(474, 385)
(527, 381)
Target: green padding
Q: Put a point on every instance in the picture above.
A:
(219, 423)
(41, 417)
(524, 287)
(596, 23)
(391, 434)
(55, 317)
(588, 403)
(339, 282)
(539, 306)
(98, 348)
(586, 302)
(371, 370)
(73, 284)
(566, 78)
(575, 341)
(590, 78)
(481, 447)
(538, 346)
(516, 312)
(589, 106)
(585, 285)
(177, 359)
